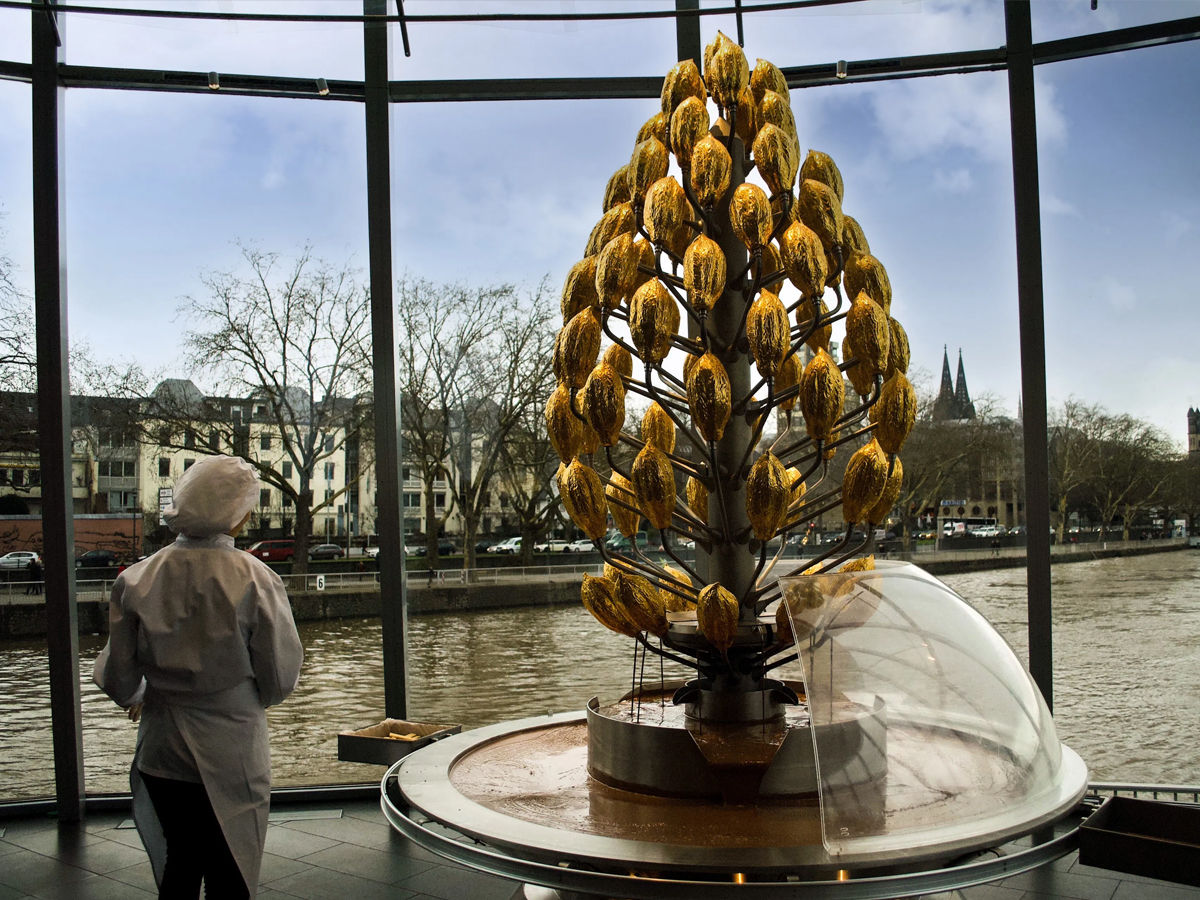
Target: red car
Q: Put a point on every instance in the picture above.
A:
(273, 551)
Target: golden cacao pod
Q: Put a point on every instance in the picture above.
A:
(710, 50)
(819, 337)
(619, 358)
(862, 564)
(599, 597)
(703, 273)
(642, 603)
(796, 483)
(867, 329)
(656, 127)
(787, 378)
(708, 393)
(820, 167)
(717, 614)
(618, 219)
(859, 374)
(898, 352)
(689, 124)
(579, 290)
(697, 498)
(774, 109)
(616, 273)
(767, 76)
(577, 347)
(894, 413)
(804, 259)
(854, 241)
(653, 321)
(648, 164)
(617, 189)
(657, 429)
(583, 499)
(750, 215)
(775, 157)
(621, 496)
(682, 82)
(666, 209)
(747, 116)
(770, 272)
(711, 165)
(590, 440)
(865, 274)
(654, 484)
(821, 211)
(726, 73)
(682, 583)
(863, 482)
(878, 514)
(768, 333)
(604, 403)
(646, 257)
(822, 394)
(768, 496)
(565, 431)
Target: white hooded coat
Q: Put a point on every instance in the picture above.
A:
(202, 633)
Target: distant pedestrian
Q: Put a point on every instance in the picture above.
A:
(35, 577)
(995, 547)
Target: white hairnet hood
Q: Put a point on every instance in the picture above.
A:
(212, 496)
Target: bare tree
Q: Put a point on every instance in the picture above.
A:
(1075, 441)
(1129, 467)
(294, 337)
(474, 362)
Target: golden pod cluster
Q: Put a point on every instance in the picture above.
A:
(653, 321)
(750, 215)
(803, 258)
(648, 164)
(768, 496)
(642, 603)
(682, 82)
(898, 352)
(863, 482)
(766, 76)
(860, 375)
(711, 165)
(819, 336)
(787, 378)
(654, 484)
(576, 348)
(865, 274)
(564, 430)
(708, 393)
(620, 496)
(604, 403)
(582, 494)
(717, 614)
(689, 124)
(617, 189)
(579, 290)
(867, 329)
(822, 395)
(878, 514)
(821, 211)
(666, 210)
(657, 429)
(894, 413)
(599, 597)
(854, 241)
(775, 156)
(703, 273)
(697, 498)
(768, 333)
(820, 167)
(618, 219)
(616, 271)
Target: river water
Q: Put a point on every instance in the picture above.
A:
(1126, 663)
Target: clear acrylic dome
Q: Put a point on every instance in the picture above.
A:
(927, 730)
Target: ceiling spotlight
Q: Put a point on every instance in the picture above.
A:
(322, 87)
(214, 81)
(841, 68)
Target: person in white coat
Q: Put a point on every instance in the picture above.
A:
(201, 642)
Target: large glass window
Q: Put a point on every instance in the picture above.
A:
(1061, 18)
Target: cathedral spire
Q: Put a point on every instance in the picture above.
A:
(963, 406)
(943, 406)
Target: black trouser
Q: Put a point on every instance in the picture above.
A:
(196, 847)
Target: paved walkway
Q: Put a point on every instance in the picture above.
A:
(346, 849)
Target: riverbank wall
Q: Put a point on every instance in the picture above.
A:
(23, 617)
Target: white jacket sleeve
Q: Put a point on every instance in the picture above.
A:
(275, 650)
(116, 671)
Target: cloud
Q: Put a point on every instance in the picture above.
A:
(953, 181)
(1176, 226)
(1053, 205)
(1116, 294)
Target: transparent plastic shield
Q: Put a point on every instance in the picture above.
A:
(927, 730)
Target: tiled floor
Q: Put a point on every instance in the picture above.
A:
(347, 851)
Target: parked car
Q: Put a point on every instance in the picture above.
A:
(508, 545)
(326, 551)
(371, 552)
(552, 545)
(18, 559)
(96, 559)
(583, 545)
(445, 547)
(988, 531)
(279, 550)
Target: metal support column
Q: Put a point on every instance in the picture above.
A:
(389, 523)
(1033, 339)
(54, 413)
(687, 32)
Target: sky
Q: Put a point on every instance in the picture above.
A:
(162, 188)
